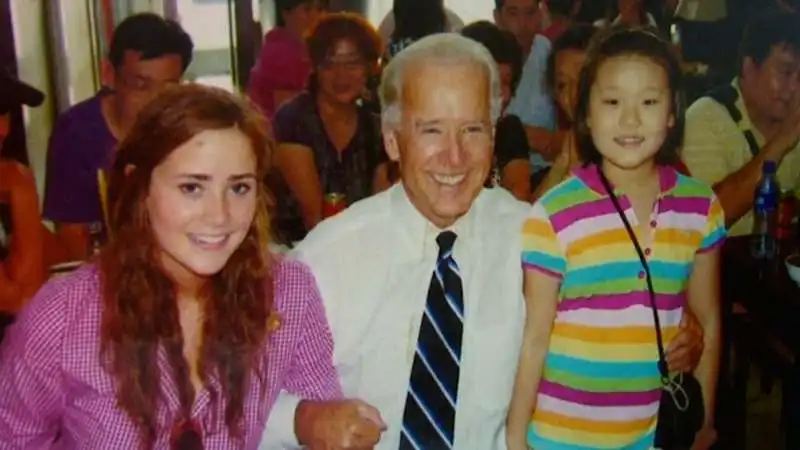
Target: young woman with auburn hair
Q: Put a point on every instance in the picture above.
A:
(183, 331)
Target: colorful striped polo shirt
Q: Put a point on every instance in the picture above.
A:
(601, 387)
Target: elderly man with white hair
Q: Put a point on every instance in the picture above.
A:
(422, 284)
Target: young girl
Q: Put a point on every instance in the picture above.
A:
(588, 375)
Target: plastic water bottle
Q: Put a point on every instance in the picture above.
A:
(95, 238)
(765, 214)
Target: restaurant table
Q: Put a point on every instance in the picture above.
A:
(761, 326)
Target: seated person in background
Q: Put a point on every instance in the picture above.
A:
(563, 70)
(510, 168)
(282, 69)
(523, 18)
(413, 20)
(184, 339)
(533, 101)
(627, 12)
(22, 267)
(733, 130)
(328, 143)
(388, 24)
(146, 53)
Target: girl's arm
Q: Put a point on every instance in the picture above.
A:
(565, 161)
(704, 301)
(23, 272)
(541, 299)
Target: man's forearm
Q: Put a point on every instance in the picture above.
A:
(707, 371)
(737, 191)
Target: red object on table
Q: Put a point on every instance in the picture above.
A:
(333, 204)
(787, 211)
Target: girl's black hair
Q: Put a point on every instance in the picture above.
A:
(576, 37)
(415, 19)
(619, 41)
(501, 44)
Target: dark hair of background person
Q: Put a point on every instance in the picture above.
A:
(654, 7)
(501, 44)
(415, 19)
(563, 8)
(627, 41)
(576, 37)
(498, 4)
(285, 6)
(335, 27)
(140, 309)
(767, 30)
(152, 37)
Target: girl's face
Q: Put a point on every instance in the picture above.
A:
(202, 201)
(568, 65)
(630, 110)
(506, 83)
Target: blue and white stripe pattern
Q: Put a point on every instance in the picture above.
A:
(430, 411)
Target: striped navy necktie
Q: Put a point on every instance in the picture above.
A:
(430, 412)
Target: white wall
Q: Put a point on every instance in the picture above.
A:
(74, 58)
(30, 38)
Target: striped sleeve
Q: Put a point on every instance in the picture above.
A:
(715, 231)
(541, 249)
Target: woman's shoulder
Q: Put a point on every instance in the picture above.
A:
(293, 283)
(571, 191)
(15, 175)
(59, 303)
(291, 114)
(688, 186)
(300, 104)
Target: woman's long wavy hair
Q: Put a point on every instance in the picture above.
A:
(140, 310)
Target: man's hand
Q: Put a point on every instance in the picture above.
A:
(338, 425)
(683, 353)
(704, 439)
(788, 134)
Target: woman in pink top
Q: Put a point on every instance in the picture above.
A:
(182, 332)
(283, 67)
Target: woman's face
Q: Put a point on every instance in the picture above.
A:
(305, 16)
(568, 65)
(202, 201)
(342, 76)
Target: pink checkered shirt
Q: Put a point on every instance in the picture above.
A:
(52, 383)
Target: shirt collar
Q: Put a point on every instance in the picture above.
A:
(590, 176)
(420, 232)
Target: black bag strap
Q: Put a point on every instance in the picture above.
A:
(726, 95)
(662, 360)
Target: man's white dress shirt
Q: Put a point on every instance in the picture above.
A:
(373, 264)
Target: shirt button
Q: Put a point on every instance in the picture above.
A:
(653, 224)
(647, 251)
(641, 274)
